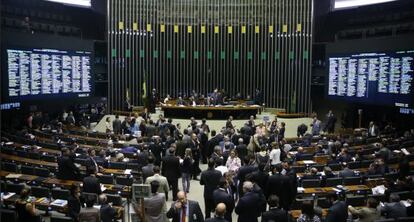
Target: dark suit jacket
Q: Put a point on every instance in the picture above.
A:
(217, 219)
(74, 206)
(194, 212)
(243, 171)
(247, 207)
(147, 171)
(275, 215)
(117, 126)
(91, 185)
(394, 210)
(210, 178)
(222, 196)
(108, 213)
(171, 167)
(338, 212)
(280, 185)
(67, 169)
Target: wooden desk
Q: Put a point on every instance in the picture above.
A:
(210, 112)
(320, 190)
(53, 165)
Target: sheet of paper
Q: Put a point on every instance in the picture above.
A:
(127, 171)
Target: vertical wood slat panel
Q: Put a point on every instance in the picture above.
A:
(279, 78)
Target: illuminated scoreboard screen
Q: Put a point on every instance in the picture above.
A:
(383, 78)
(35, 73)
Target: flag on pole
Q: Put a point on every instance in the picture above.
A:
(144, 86)
(293, 103)
(127, 95)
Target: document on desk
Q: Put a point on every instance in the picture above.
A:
(301, 190)
(308, 162)
(13, 176)
(5, 196)
(59, 203)
(127, 171)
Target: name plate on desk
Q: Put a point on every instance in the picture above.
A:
(140, 191)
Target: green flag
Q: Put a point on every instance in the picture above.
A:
(293, 103)
(127, 95)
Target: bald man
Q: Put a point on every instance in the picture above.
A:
(219, 214)
(185, 210)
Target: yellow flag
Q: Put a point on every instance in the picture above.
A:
(230, 29)
(135, 26)
(216, 29)
(148, 27)
(189, 29)
(284, 28)
(243, 29)
(257, 29)
(299, 27)
(121, 25)
(162, 28)
(203, 29)
(270, 28)
(175, 28)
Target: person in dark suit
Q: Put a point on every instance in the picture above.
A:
(220, 213)
(241, 149)
(247, 206)
(148, 170)
(213, 142)
(394, 208)
(185, 210)
(222, 195)
(171, 170)
(280, 185)
(75, 202)
(338, 212)
(117, 125)
(274, 213)
(330, 122)
(373, 130)
(243, 171)
(108, 213)
(346, 172)
(91, 183)
(67, 170)
(210, 178)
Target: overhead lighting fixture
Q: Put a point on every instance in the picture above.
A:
(342, 4)
(81, 3)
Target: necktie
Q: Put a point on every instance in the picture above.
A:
(183, 214)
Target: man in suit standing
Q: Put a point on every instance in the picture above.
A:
(219, 214)
(171, 170)
(330, 122)
(185, 210)
(280, 186)
(117, 125)
(338, 212)
(108, 213)
(210, 178)
(155, 206)
(67, 170)
(148, 170)
(247, 168)
(222, 195)
(162, 181)
(247, 207)
(373, 130)
(274, 213)
(91, 183)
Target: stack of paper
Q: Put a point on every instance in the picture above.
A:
(59, 203)
(301, 189)
(5, 196)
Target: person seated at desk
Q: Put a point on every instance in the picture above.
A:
(308, 213)
(90, 213)
(299, 154)
(346, 172)
(25, 207)
(394, 208)
(312, 175)
(368, 213)
(344, 156)
(180, 101)
(146, 115)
